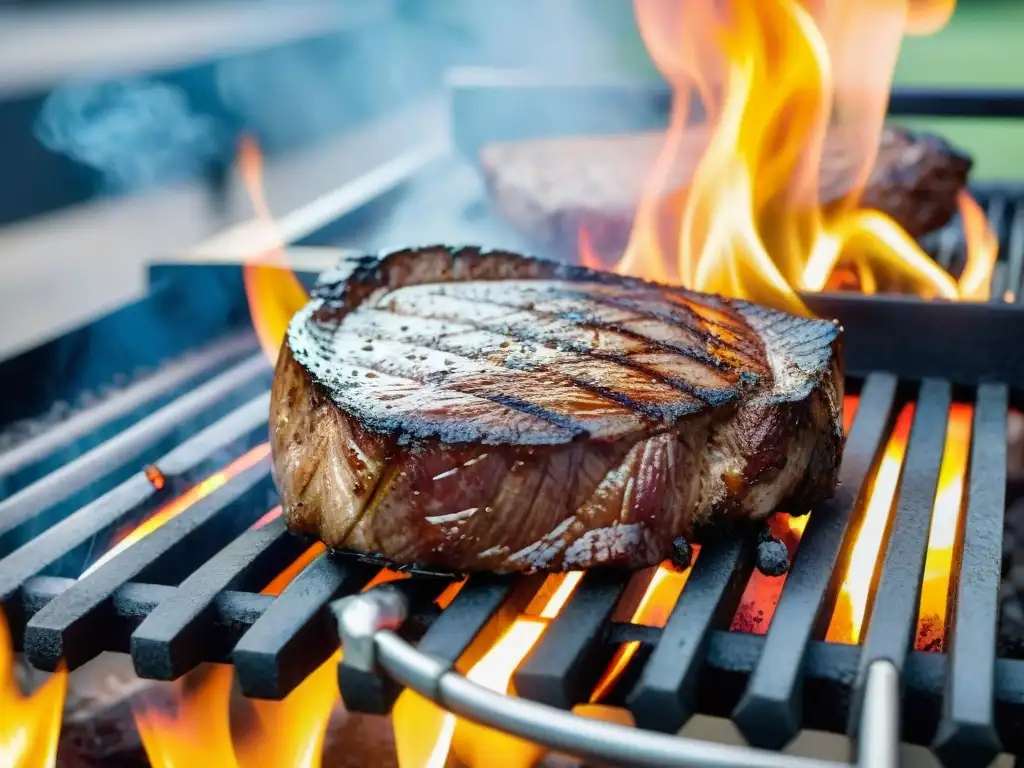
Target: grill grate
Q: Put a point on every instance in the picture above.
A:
(195, 589)
(190, 592)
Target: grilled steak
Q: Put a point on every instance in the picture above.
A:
(548, 188)
(472, 410)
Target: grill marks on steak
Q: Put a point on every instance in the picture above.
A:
(487, 411)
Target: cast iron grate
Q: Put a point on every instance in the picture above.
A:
(191, 591)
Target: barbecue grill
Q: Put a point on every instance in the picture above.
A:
(190, 591)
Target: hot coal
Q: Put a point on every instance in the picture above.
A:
(682, 553)
(772, 557)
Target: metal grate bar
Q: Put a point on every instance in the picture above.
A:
(967, 734)
(892, 617)
(365, 689)
(159, 384)
(130, 500)
(132, 602)
(770, 712)
(664, 697)
(477, 617)
(31, 503)
(70, 627)
(174, 637)
(563, 668)
(296, 634)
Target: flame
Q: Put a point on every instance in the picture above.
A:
(126, 538)
(195, 729)
(776, 77)
(273, 290)
(982, 250)
(848, 618)
(29, 725)
(938, 563)
(926, 17)
(653, 611)
(426, 735)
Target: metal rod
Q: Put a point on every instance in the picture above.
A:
(362, 625)
(134, 396)
(878, 745)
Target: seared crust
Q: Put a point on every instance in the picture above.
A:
(590, 421)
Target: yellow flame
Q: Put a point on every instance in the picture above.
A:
(274, 292)
(776, 77)
(29, 725)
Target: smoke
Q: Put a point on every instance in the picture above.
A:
(141, 131)
(135, 133)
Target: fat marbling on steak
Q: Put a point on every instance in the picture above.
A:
(472, 410)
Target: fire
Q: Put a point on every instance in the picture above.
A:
(938, 564)
(848, 619)
(29, 725)
(273, 290)
(425, 735)
(775, 77)
(196, 729)
(178, 505)
(653, 611)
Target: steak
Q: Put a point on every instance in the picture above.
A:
(469, 410)
(548, 188)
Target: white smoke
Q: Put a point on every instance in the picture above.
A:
(137, 132)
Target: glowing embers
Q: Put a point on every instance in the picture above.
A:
(848, 618)
(29, 724)
(938, 563)
(172, 509)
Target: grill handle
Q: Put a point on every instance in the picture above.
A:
(367, 624)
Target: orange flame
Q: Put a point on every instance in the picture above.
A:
(926, 17)
(29, 725)
(178, 505)
(982, 250)
(196, 728)
(775, 77)
(426, 735)
(652, 611)
(938, 564)
(848, 619)
(273, 290)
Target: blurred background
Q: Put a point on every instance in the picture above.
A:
(120, 121)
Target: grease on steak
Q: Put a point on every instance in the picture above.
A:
(486, 411)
